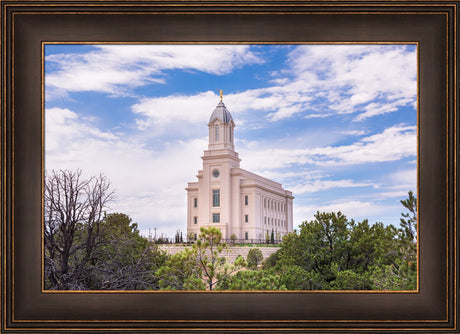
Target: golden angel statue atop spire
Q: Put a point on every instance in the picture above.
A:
(221, 93)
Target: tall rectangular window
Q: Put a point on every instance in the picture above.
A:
(246, 200)
(217, 132)
(195, 202)
(246, 236)
(246, 218)
(216, 197)
(195, 220)
(216, 217)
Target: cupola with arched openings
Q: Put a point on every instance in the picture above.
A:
(221, 128)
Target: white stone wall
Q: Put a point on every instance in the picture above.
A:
(231, 253)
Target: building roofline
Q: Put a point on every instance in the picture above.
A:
(241, 171)
(282, 193)
(262, 183)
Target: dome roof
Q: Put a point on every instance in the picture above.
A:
(221, 113)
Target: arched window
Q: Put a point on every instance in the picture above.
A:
(217, 132)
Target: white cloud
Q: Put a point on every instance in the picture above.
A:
(321, 81)
(353, 78)
(374, 109)
(356, 75)
(149, 183)
(392, 144)
(321, 185)
(353, 209)
(355, 132)
(397, 184)
(116, 69)
(404, 177)
(161, 112)
(278, 102)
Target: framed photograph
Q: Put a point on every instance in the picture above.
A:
(34, 30)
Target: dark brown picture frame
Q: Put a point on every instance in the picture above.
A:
(26, 25)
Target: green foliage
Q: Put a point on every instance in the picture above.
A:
(334, 253)
(208, 248)
(409, 220)
(296, 278)
(190, 237)
(319, 245)
(271, 261)
(254, 257)
(399, 276)
(125, 260)
(117, 258)
(201, 267)
(253, 280)
(181, 272)
(350, 280)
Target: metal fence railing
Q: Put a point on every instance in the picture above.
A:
(227, 241)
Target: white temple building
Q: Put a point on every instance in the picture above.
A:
(230, 198)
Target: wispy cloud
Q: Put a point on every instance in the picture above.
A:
(160, 112)
(117, 69)
(321, 185)
(357, 210)
(350, 77)
(392, 144)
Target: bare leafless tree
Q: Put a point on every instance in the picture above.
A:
(74, 208)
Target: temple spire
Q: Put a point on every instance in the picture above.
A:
(221, 93)
(221, 127)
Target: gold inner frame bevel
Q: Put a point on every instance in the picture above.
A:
(225, 43)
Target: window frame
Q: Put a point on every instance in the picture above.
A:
(216, 198)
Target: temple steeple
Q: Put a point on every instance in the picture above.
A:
(221, 127)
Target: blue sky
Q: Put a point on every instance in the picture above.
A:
(335, 124)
